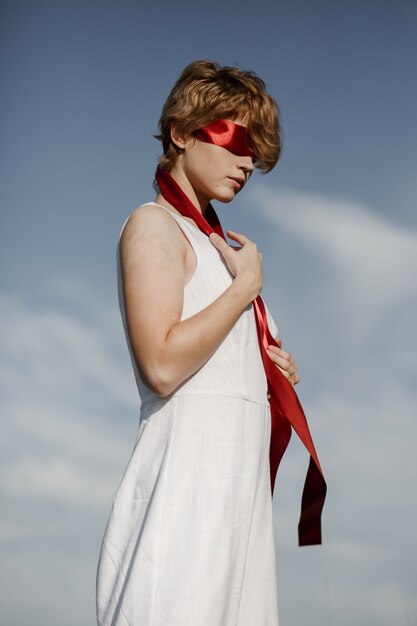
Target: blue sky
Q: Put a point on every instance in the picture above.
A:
(83, 84)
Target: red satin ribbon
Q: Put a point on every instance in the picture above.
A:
(286, 410)
(226, 134)
(229, 135)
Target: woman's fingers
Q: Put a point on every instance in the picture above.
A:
(292, 378)
(284, 361)
(242, 239)
(221, 243)
(218, 241)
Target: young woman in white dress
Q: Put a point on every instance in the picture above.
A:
(189, 540)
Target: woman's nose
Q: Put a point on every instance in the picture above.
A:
(247, 165)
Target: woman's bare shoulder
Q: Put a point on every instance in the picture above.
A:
(152, 225)
(148, 216)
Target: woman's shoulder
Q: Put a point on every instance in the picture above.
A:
(148, 219)
(150, 224)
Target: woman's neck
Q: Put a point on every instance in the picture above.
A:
(200, 201)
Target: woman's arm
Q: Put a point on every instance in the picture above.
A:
(152, 252)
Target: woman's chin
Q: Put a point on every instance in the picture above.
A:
(226, 196)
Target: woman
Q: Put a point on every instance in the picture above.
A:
(189, 541)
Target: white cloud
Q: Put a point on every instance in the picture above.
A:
(370, 252)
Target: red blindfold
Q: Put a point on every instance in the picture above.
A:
(233, 137)
(225, 134)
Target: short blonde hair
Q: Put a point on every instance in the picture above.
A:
(206, 92)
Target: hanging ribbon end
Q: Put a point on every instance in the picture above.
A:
(309, 537)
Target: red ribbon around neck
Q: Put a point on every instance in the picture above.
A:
(286, 410)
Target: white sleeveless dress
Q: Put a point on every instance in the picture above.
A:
(189, 540)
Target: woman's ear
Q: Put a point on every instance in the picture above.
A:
(180, 138)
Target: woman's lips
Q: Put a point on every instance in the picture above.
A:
(237, 184)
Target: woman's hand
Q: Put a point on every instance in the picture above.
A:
(284, 361)
(245, 263)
